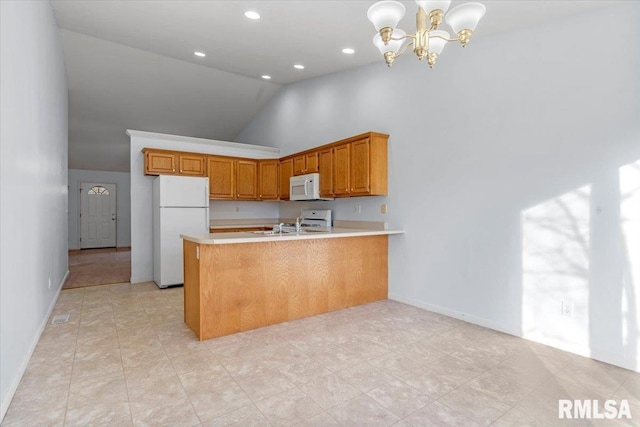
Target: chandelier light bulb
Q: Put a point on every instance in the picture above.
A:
(385, 16)
(464, 19)
(429, 5)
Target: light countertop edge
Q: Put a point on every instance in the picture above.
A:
(248, 237)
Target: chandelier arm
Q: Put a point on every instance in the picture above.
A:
(404, 49)
(444, 38)
(408, 36)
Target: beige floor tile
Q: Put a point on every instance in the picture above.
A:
(195, 361)
(148, 396)
(478, 406)
(438, 415)
(499, 386)
(239, 367)
(432, 382)
(329, 391)
(106, 410)
(362, 411)
(264, 384)
(399, 398)
(211, 377)
(170, 413)
(288, 408)
(135, 336)
(303, 372)
(323, 419)
(85, 387)
(219, 401)
(249, 416)
(149, 371)
(365, 377)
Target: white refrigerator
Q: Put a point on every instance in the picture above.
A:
(180, 206)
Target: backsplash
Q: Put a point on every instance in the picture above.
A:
(222, 209)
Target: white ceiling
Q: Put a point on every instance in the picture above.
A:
(130, 64)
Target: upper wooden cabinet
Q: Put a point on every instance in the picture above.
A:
(159, 162)
(306, 163)
(268, 182)
(325, 167)
(360, 167)
(222, 176)
(341, 168)
(246, 179)
(355, 166)
(192, 164)
(286, 172)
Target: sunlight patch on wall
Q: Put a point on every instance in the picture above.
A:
(555, 268)
(630, 228)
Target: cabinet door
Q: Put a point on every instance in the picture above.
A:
(311, 162)
(268, 179)
(159, 163)
(286, 172)
(246, 179)
(359, 167)
(299, 165)
(326, 172)
(221, 174)
(192, 165)
(341, 156)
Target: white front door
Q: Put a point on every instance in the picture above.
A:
(97, 215)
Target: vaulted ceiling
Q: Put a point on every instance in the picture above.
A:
(131, 64)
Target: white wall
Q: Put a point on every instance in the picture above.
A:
(33, 182)
(141, 186)
(487, 156)
(122, 180)
(238, 209)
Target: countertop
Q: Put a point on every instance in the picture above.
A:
(243, 223)
(249, 237)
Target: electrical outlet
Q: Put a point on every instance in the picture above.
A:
(567, 308)
(357, 208)
(383, 209)
(49, 282)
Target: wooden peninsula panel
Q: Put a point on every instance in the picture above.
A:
(237, 287)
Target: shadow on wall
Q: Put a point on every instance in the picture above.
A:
(580, 264)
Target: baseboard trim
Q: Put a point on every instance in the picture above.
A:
(457, 315)
(632, 364)
(23, 366)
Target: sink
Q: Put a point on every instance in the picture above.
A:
(311, 230)
(270, 232)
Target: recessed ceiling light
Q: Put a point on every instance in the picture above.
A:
(200, 54)
(266, 77)
(252, 14)
(348, 51)
(299, 66)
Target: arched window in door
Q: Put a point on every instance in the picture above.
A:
(98, 190)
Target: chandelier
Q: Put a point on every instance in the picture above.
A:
(427, 42)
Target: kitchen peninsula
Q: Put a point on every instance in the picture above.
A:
(238, 281)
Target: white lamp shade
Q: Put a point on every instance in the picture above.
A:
(429, 5)
(465, 17)
(386, 14)
(393, 46)
(436, 44)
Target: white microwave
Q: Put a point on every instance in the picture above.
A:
(305, 187)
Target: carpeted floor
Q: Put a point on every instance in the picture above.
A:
(92, 267)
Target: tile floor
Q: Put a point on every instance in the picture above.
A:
(126, 358)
